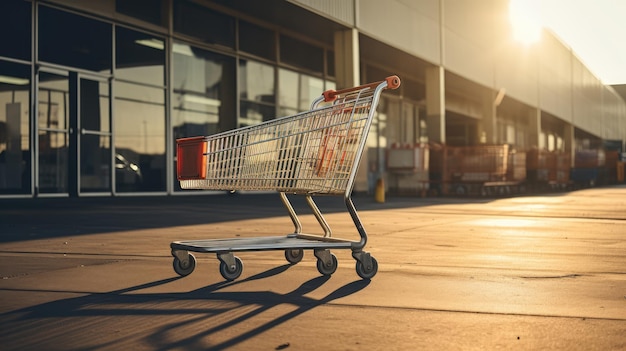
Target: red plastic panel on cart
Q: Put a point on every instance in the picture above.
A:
(191, 153)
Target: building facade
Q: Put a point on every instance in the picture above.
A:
(96, 92)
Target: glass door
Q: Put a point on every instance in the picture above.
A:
(74, 134)
(94, 139)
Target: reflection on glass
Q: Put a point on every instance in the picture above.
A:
(73, 40)
(14, 137)
(95, 166)
(139, 130)
(203, 101)
(256, 92)
(95, 138)
(53, 124)
(288, 92)
(139, 57)
(297, 91)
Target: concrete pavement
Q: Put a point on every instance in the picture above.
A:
(523, 273)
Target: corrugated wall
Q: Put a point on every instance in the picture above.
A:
(339, 10)
(409, 25)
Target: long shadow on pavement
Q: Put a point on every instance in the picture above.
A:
(128, 319)
(32, 219)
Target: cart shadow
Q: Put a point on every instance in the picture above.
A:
(40, 218)
(210, 310)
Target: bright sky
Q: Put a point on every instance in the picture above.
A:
(594, 29)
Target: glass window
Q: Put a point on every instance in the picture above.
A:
(257, 40)
(139, 134)
(204, 93)
(75, 41)
(15, 162)
(287, 92)
(201, 23)
(297, 91)
(53, 125)
(18, 24)
(297, 53)
(147, 10)
(139, 57)
(256, 92)
(204, 90)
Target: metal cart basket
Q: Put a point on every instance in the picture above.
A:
(316, 152)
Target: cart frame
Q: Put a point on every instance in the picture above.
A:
(312, 153)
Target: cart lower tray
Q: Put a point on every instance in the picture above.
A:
(291, 241)
(293, 245)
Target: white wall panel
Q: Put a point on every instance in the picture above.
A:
(468, 59)
(555, 78)
(613, 115)
(411, 26)
(516, 70)
(469, 39)
(587, 99)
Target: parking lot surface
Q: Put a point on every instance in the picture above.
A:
(531, 272)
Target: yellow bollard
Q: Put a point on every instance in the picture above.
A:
(379, 193)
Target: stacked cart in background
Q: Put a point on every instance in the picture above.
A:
(496, 170)
(477, 170)
(548, 170)
(589, 168)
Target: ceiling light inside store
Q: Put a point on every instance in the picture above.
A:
(151, 43)
(183, 49)
(14, 80)
(202, 100)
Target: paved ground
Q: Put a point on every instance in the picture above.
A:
(525, 273)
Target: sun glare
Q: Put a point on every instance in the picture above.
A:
(525, 16)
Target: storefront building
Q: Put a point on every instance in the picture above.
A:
(93, 94)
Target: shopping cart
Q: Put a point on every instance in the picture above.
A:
(316, 152)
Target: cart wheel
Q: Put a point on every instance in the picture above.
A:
(327, 269)
(367, 272)
(184, 268)
(231, 273)
(294, 256)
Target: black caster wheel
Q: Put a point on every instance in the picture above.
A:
(367, 272)
(327, 269)
(231, 273)
(184, 268)
(294, 256)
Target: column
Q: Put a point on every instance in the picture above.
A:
(436, 104)
(490, 103)
(534, 127)
(569, 141)
(347, 58)
(347, 74)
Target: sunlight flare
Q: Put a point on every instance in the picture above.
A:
(525, 16)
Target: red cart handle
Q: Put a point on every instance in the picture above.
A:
(393, 82)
